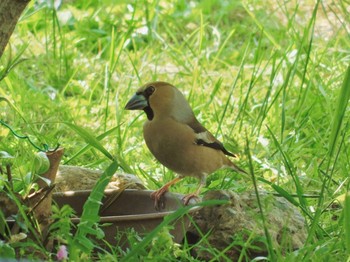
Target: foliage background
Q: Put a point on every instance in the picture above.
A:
(268, 71)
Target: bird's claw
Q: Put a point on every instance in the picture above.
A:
(186, 199)
(159, 199)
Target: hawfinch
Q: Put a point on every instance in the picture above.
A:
(176, 138)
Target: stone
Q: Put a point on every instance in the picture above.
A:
(237, 229)
(72, 178)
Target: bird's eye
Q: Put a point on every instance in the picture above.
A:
(149, 90)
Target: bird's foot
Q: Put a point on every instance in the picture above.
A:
(186, 199)
(159, 199)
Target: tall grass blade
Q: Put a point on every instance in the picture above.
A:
(269, 243)
(12, 62)
(136, 250)
(90, 214)
(347, 222)
(342, 103)
(90, 139)
(283, 193)
(339, 113)
(19, 112)
(88, 146)
(261, 27)
(291, 170)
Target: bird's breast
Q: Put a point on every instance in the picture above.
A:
(173, 145)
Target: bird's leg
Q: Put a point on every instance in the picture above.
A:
(186, 199)
(159, 202)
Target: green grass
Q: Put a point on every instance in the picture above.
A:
(276, 74)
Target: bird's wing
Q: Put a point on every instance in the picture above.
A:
(205, 138)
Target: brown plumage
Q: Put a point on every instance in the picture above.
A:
(176, 138)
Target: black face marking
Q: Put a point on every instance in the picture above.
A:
(149, 91)
(214, 145)
(149, 112)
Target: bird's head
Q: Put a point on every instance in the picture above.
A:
(160, 99)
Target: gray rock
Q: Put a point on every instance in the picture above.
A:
(71, 178)
(237, 227)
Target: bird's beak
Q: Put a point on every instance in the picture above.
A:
(137, 101)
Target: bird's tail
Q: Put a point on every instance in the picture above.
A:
(234, 167)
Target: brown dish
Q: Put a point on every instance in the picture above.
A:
(129, 209)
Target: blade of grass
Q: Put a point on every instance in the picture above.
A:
(23, 216)
(283, 193)
(90, 215)
(269, 243)
(342, 143)
(12, 62)
(106, 88)
(240, 70)
(90, 139)
(14, 108)
(134, 251)
(107, 78)
(346, 220)
(339, 114)
(253, 78)
(261, 27)
(291, 171)
(289, 79)
(88, 146)
(224, 45)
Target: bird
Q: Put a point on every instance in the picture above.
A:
(177, 139)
